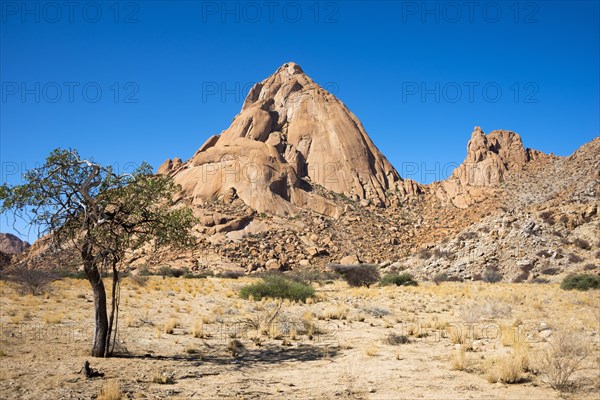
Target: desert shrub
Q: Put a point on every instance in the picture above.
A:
(395, 339)
(548, 217)
(581, 282)
(541, 281)
(276, 286)
(492, 276)
(311, 275)
(562, 359)
(439, 278)
(468, 236)
(405, 279)
(564, 219)
(574, 258)
(166, 272)
(358, 275)
(598, 255)
(439, 253)
(139, 280)
(550, 271)
(33, 281)
(425, 254)
(565, 241)
(582, 244)
(229, 274)
(590, 267)
(522, 277)
(544, 254)
(377, 312)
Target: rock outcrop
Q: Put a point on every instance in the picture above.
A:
(290, 137)
(490, 160)
(10, 244)
(491, 157)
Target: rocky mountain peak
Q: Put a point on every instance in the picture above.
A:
(290, 137)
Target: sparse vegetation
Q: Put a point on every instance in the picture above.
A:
(32, 281)
(404, 279)
(275, 286)
(582, 244)
(394, 339)
(492, 276)
(581, 282)
(110, 391)
(358, 275)
(439, 278)
(563, 358)
(574, 258)
(425, 254)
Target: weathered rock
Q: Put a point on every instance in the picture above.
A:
(289, 135)
(351, 259)
(10, 244)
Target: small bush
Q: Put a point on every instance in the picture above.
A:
(230, 274)
(275, 286)
(492, 276)
(405, 279)
(425, 254)
(581, 282)
(166, 271)
(582, 244)
(139, 279)
(311, 275)
(395, 340)
(598, 255)
(550, 271)
(590, 267)
(562, 359)
(468, 236)
(439, 278)
(358, 275)
(33, 281)
(438, 253)
(544, 254)
(547, 217)
(574, 258)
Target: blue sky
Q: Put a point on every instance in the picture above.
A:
(131, 81)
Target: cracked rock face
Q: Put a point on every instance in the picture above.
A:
(290, 136)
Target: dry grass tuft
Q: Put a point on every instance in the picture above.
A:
(110, 391)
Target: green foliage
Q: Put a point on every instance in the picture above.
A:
(358, 275)
(405, 279)
(276, 286)
(92, 207)
(581, 282)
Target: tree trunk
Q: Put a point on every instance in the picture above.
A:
(114, 307)
(101, 319)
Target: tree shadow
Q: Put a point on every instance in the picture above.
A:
(271, 354)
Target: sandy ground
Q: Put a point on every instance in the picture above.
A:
(177, 338)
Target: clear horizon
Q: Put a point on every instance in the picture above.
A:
(126, 82)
